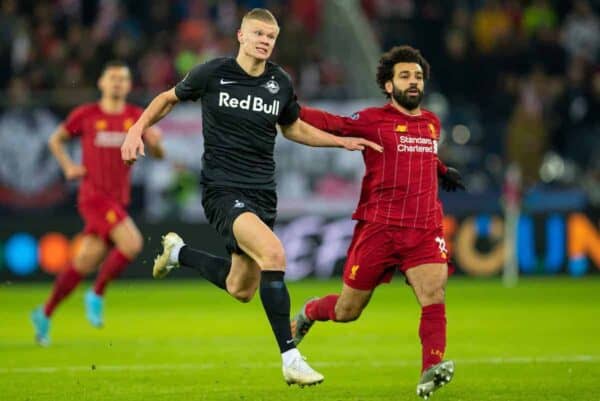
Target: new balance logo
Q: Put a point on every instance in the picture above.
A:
(253, 103)
(224, 82)
(238, 204)
(442, 245)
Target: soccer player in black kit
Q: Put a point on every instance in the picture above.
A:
(243, 99)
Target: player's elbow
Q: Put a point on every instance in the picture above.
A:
(169, 97)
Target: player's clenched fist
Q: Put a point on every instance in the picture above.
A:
(133, 145)
(360, 144)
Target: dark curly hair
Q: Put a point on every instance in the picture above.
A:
(399, 54)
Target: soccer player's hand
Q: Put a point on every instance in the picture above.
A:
(452, 180)
(74, 171)
(352, 143)
(133, 145)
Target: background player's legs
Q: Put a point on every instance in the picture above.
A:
(257, 240)
(92, 251)
(428, 282)
(345, 307)
(128, 243)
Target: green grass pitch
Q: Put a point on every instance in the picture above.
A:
(185, 340)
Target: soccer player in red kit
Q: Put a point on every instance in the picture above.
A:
(110, 236)
(399, 214)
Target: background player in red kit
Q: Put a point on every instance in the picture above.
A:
(109, 234)
(399, 214)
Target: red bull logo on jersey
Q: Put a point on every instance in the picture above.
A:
(417, 145)
(253, 103)
(109, 139)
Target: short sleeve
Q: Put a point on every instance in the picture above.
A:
(291, 111)
(73, 124)
(193, 85)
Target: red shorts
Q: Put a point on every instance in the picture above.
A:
(377, 250)
(100, 215)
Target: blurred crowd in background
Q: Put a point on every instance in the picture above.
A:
(514, 81)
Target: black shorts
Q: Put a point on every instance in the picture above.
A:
(222, 205)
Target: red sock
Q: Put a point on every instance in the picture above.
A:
(433, 334)
(113, 265)
(322, 309)
(63, 285)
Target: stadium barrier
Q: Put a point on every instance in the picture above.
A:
(555, 243)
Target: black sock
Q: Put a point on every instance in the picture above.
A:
(276, 302)
(213, 268)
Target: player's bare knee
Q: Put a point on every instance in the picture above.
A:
(432, 295)
(273, 258)
(132, 248)
(84, 265)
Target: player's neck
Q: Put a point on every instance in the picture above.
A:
(404, 110)
(251, 65)
(111, 106)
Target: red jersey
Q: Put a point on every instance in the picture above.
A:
(102, 135)
(400, 186)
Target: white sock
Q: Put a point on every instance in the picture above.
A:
(288, 356)
(174, 256)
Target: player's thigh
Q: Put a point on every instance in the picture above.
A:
(351, 303)
(127, 238)
(259, 242)
(243, 278)
(90, 254)
(428, 282)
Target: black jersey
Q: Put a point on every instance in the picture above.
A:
(239, 117)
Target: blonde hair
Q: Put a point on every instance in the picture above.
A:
(260, 14)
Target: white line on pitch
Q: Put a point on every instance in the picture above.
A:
(205, 366)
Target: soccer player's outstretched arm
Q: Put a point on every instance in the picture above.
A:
(324, 120)
(191, 87)
(301, 132)
(160, 106)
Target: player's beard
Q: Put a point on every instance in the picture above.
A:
(406, 100)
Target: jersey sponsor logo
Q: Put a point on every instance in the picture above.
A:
(109, 139)
(101, 125)
(417, 145)
(225, 82)
(442, 245)
(353, 271)
(272, 86)
(238, 204)
(253, 103)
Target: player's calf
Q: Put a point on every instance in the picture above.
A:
(301, 324)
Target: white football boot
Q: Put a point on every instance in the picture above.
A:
(163, 263)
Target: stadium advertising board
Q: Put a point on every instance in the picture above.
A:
(316, 246)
